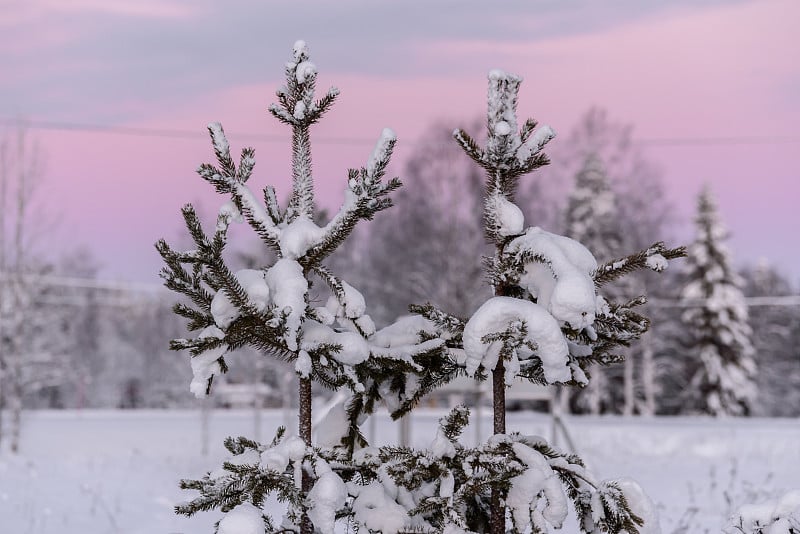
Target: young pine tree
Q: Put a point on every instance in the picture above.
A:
(268, 308)
(546, 323)
(723, 376)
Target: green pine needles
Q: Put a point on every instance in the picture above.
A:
(546, 323)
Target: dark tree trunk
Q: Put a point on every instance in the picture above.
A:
(498, 524)
(304, 428)
(499, 398)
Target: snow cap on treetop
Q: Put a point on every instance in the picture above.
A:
(499, 74)
(300, 50)
(306, 70)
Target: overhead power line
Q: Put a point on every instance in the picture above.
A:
(81, 283)
(268, 138)
(166, 132)
(140, 288)
(777, 300)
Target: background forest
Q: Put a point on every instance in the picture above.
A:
(102, 345)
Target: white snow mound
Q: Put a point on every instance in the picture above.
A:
(563, 285)
(495, 315)
(243, 519)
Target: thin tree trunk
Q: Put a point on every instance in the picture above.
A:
(561, 396)
(499, 397)
(628, 384)
(205, 417)
(2, 399)
(593, 390)
(405, 430)
(304, 428)
(648, 377)
(16, 418)
(22, 205)
(286, 396)
(4, 286)
(498, 520)
(19, 261)
(3, 204)
(257, 417)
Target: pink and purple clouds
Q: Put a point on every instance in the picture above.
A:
(676, 70)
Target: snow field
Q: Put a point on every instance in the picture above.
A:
(117, 472)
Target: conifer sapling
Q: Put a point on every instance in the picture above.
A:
(546, 324)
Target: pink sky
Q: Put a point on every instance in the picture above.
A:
(673, 70)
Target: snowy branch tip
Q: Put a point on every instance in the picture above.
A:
(382, 151)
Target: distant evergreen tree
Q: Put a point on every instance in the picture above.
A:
(723, 375)
(591, 220)
(641, 215)
(545, 323)
(591, 209)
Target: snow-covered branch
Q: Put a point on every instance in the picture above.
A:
(364, 196)
(655, 258)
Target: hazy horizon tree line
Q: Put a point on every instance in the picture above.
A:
(113, 352)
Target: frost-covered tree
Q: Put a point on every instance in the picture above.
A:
(591, 209)
(545, 323)
(269, 308)
(591, 221)
(723, 369)
(639, 207)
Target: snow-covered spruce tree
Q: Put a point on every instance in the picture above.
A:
(546, 324)
(269, 308)
(590, 211)
(722, 366)
(643, 212)
(590, 220)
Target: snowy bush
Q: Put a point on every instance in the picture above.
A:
(781, 516)
(546, 323)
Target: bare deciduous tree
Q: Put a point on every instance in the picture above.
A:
(30, 358)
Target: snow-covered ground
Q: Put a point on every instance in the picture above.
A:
(96, 472)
